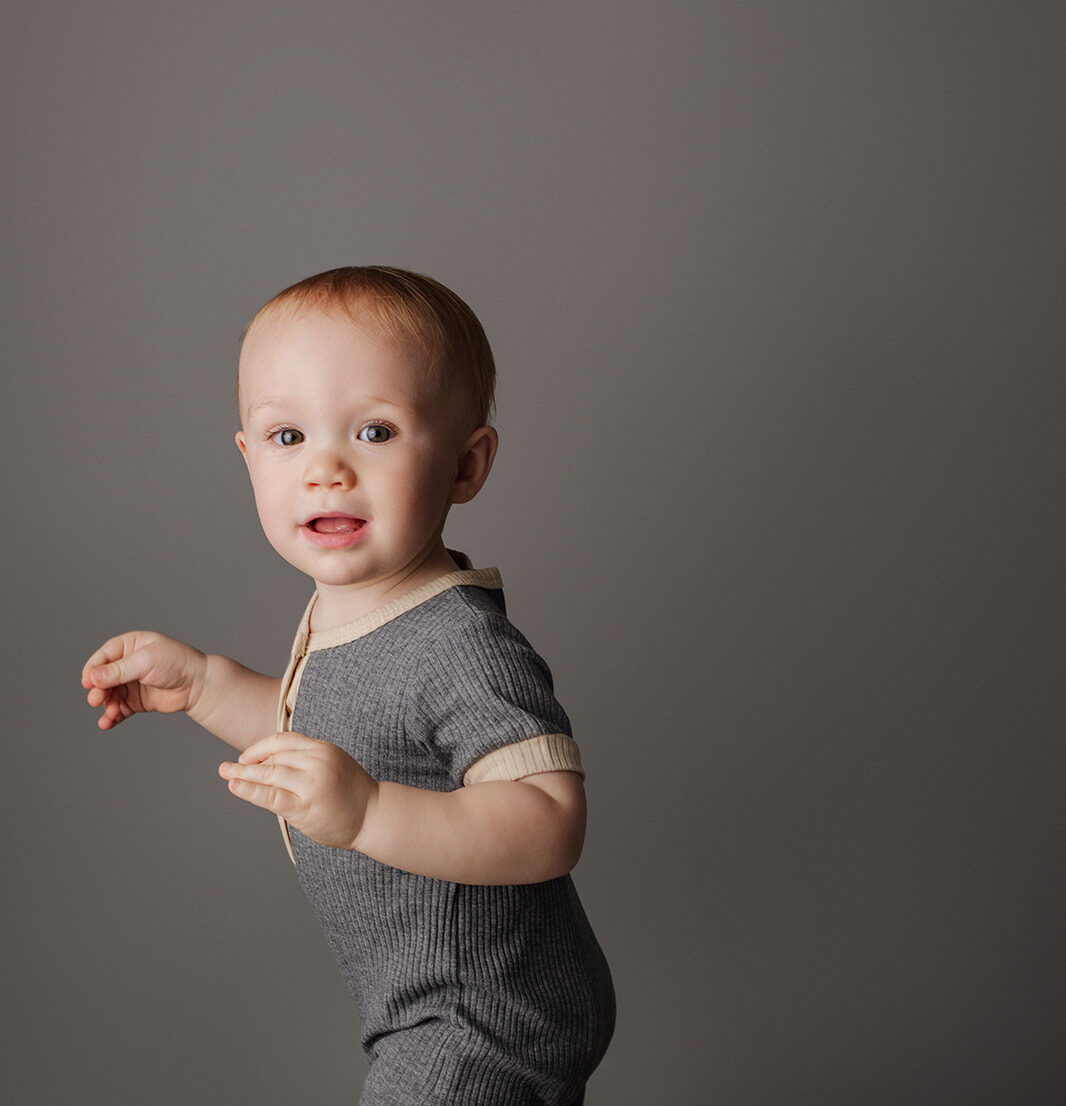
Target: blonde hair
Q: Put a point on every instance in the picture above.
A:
(410, 308)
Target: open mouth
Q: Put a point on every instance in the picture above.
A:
(334, 531)
(335, 524)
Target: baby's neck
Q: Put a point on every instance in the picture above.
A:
(337, 605)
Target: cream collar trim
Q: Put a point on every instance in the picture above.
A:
(308, 642)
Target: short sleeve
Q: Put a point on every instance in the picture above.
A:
(485, 705)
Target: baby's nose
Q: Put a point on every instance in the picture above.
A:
(330, 469)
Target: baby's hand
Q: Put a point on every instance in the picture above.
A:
(314, 785)
(142, 671)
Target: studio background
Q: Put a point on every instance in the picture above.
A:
(775, 292)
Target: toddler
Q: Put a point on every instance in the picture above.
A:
(423, 773)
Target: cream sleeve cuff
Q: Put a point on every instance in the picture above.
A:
(551, 752)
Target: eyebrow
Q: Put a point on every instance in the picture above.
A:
(282, 401)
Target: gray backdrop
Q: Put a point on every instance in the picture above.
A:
(776, 295)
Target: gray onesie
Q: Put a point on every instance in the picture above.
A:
(468, 994)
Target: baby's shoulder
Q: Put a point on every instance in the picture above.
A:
(463, 612)
(474, 657)
(468, 627)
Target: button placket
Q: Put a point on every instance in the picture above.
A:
(284, 718)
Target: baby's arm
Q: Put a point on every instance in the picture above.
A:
(143, 671)
(501, 831)
(520, 831)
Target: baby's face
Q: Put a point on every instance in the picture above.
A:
(351, 458)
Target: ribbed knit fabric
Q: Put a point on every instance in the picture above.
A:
(487, 996)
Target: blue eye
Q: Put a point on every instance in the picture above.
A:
(286, 436)
(375, 433)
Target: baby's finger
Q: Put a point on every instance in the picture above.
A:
(264, 795)
(112, 715)
(270, 772)
(115, 710)
(123, 670)
(276, 743)
(98, 696)
(290, 758)
(111, 650)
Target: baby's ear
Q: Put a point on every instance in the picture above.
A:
(242, 444)
(475, 463)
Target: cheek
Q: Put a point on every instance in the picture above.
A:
(428, 491)
(412, 480)
(268, 500)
